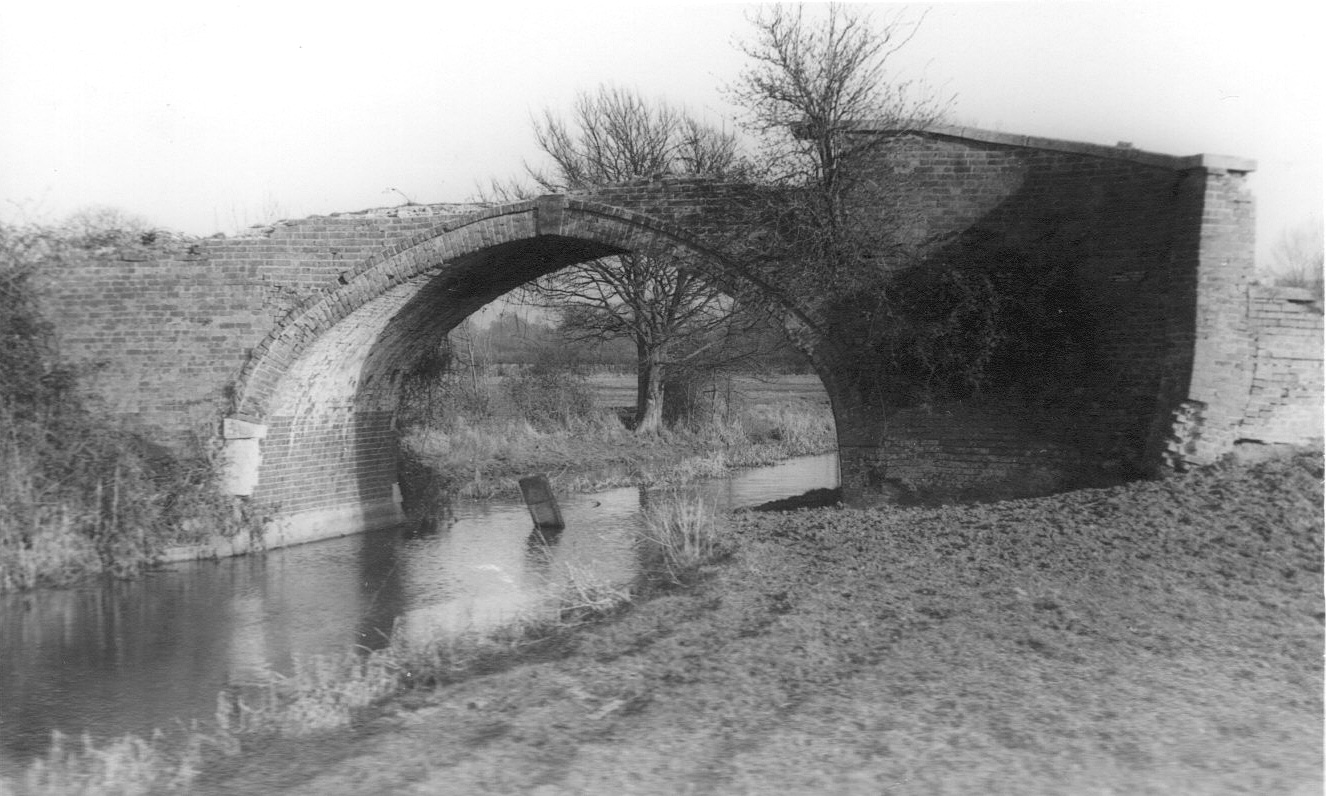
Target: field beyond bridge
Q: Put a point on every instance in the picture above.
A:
(488, 433)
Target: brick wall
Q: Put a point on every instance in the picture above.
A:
(159, 332)
(342, 358)
(341, 458)
(1284, 399)
(1162, 250)
(164, 330)
(961, 451)
(1221, 339)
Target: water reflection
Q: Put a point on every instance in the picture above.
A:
(120, 657)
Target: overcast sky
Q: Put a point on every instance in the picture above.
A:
(207, 117)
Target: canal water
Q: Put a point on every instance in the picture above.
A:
(127, 657)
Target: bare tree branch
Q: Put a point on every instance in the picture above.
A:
(611, 136)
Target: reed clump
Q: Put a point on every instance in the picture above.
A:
(680, 538)
(125, 766)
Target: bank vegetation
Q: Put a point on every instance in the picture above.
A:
(472, 433)
(82, 493)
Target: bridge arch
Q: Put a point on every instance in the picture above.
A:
(1189, 358)
(311, 430)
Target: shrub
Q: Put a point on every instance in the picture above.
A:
(798, 427)
(549, 399)
(80, 493)
(434, 393)
(983, 315)
(680, 536)
(696, 399)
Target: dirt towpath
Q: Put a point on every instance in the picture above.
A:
(1157, 638)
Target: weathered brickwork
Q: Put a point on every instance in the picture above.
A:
(311, 468)
(301, 332)
(1163, 257)
(959, 451)
(1284, 403)
(1222, 344)
(159, 333)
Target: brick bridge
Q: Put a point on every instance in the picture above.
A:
(287, 344)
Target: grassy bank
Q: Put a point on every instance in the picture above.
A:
(481, 443)
(81, 496)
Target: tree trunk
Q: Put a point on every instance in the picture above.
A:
(648, 390)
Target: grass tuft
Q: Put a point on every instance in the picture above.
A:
(127, 765)
(584, 596)
(679, 539)
(324, 692)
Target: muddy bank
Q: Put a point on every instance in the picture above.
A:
(1158, 638)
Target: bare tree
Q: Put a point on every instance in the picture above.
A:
(824, 100)
(1297, 257)
(662, 304)
(814, 88)
(614, 135)
(673, 316)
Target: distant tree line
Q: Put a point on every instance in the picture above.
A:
(1298, 258)
(515, 339)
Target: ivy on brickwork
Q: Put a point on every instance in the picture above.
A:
(80, 493)
(32, 379)
(984, 317)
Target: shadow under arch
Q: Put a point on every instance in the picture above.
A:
(323, 387)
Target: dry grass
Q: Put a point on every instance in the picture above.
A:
(680, 537)
(50, 550)
(42, 538)
(81, 496)
(322, 693)
(125, 766)
(483, 457)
